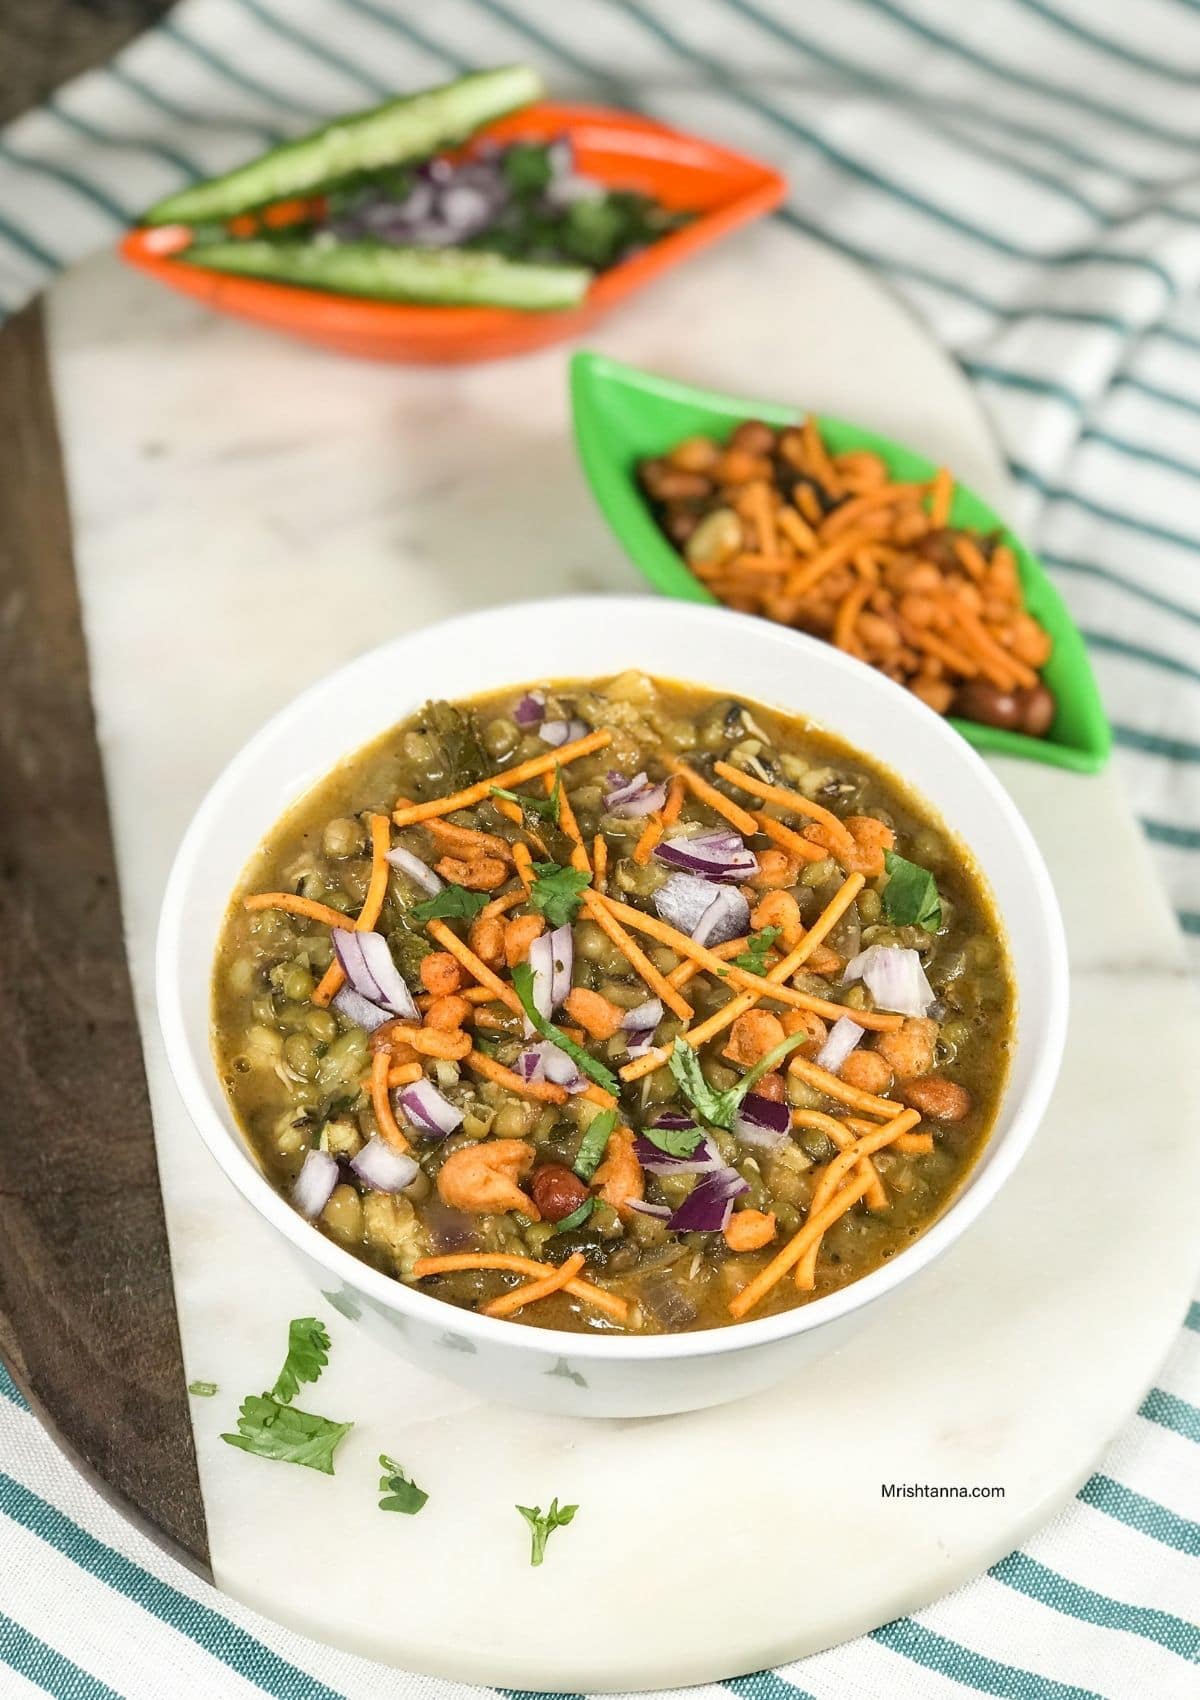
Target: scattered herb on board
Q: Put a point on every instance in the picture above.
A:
(400, 1492)
(594, 1143)
(202, 1389)
(522, 979)
(910, 897)
(556, 890)
(719, 1108)
(754, 960)
(543, 1524)
(270, 1429)
(452, 903)
(307, 1355)
(270, 1426)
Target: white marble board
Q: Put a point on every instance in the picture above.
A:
(248, 514)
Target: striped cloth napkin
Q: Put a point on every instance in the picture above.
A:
(1026, 173)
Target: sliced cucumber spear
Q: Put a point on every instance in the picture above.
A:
(412, 127)
(435, 276)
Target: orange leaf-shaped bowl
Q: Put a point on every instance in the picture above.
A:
(619, 149)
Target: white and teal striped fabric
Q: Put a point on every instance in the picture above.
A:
(1027, 174)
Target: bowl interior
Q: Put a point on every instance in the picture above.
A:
(622, 415)
(620, 149)
(598, 637)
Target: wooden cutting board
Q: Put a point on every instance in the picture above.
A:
(87, 1310)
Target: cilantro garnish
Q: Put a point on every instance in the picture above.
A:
(719, 1108)
(910, 897)
(270, 1426)
(452, 903)
(270, 1429)
(307, 1355)
(522, 979)
(543, 808)
(754, 960)
(594, 1144)
(543, 1524)
(400, 1492)
(675, 1141)
(202, 1389)
(577, 1217)
(556, 892)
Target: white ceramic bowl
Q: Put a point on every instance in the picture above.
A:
(583, 637)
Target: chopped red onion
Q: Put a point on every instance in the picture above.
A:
(552, 959)
(558, 732)
(382, 1168)
(545, 1061)
(713, 856)
(762, 1122)
(709, 1205)
(704, 1160)
(636, 796)
(709, 915)
(681, 902)
(418, 871)
(645, 1017)
(843, 1036)
(894, 978)
(643, 1208)
(562, 942)
(727, 917)
(391, 983)
(358, 1009)
(315, 1183)
(367, 964)
(531, 710)
(429, 1113)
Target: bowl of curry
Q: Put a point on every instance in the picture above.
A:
(616, 998)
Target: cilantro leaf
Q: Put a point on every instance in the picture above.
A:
(272, 1430)
(307, 1355)
(675, 1141)
(556, 892)
(452, 903)
(527, 167)
(754, 960)
(542, 808)
(910, 897)
(400, 1492)
(543, 1524)
(577, 1217)
(202, 1389)
(522, 979)
(719, 1108)
(594, 1144)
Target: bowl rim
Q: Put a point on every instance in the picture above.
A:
(235, 1157)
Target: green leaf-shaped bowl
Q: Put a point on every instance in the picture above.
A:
(623, 415)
